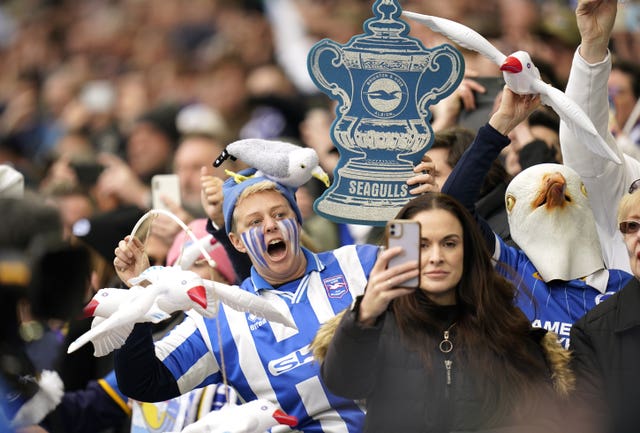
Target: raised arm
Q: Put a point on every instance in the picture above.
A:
(466, 179)
(605, 181)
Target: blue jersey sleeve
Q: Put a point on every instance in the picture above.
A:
(140, 374)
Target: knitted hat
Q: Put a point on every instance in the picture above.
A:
(232, 190)
(183, 244)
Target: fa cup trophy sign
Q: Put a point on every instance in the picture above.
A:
(384, 82)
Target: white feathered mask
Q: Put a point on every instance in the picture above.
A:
(551, 220)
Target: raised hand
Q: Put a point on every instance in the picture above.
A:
(595, 20)
(130, 259)
(211, 196)
(513, 110)
(383, 287)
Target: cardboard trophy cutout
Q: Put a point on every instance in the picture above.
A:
(384, 82)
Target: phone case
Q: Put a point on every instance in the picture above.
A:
(406, 234)
(164, 185)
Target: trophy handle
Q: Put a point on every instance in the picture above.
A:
(446, 53)
(335, 90)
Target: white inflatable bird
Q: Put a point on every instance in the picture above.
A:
(279, 161)
(241, 300)
(232, 296)
(551, 220)
(116, 311)
(256, 416)
(523, 78)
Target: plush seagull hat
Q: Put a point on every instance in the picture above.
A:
(551, 220)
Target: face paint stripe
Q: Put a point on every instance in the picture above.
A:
(254, 242)
(291, 233)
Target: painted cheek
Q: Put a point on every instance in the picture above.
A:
(291, 234)
(253, 240)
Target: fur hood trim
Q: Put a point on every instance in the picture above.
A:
(320, 342)
(558, 359)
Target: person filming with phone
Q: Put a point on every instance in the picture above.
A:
(453, 353)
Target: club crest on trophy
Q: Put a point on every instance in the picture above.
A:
(384, 82)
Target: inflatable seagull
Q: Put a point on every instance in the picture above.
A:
(256, 416)
(523, 78)
(116, 311)
(279, 161)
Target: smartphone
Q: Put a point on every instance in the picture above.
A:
(473, 120)
(406, 234)
(164, 185)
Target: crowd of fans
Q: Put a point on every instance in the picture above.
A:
(97, 97)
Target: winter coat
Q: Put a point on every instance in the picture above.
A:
(606, 350)
(374, 364)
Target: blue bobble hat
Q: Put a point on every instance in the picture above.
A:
(232, 190)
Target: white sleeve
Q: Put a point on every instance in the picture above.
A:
(605, 181)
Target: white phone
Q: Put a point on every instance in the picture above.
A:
(406, 234)
(164, 185)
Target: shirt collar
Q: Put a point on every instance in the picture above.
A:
(314, 263)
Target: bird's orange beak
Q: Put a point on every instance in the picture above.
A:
(285, 419)
(511, 64)
(198, 294)
(90, 309)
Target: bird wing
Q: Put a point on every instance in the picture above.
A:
(575, 118)
(127, 314)
(240, 300)
(106, 343)
(460, 34)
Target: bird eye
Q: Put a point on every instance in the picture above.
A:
(528, 65)
(302, 166)
(511, 202)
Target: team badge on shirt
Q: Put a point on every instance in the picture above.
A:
(336, 286)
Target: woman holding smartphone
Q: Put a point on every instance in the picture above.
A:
(455, 354)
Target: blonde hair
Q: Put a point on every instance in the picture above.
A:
(266, 185)
(628, 204)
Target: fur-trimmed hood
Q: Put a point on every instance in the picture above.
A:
(558, 358)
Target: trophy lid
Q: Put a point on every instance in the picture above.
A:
(386, 32)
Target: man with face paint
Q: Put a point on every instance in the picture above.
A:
(258, 358)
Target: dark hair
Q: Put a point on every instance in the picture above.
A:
(632, 70)
(490, 326)
(457, 139)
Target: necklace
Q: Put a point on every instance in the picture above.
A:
(446, 345)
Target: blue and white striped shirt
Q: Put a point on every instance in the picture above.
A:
(556, 305)
(268, 360)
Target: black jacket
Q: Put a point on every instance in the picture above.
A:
(401, 395)
(606, 357)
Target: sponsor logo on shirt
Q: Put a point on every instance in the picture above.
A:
(292, 360)
(336, 286)
(255, 322)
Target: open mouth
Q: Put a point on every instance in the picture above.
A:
(276, 249)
